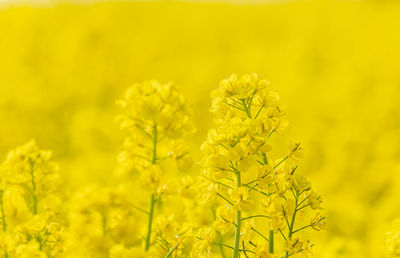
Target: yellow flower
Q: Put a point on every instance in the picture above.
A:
(265, 177)
(204, 238)
(246, 231)
(298, 246)
(241, 199)
(151, 178)
(301, 183)
(224, 219)
(296, 152)
(30, 250)
(315, 200)
(187, 187)
(318, 222)
(31, 169)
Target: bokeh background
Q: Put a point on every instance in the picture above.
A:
(336, 65)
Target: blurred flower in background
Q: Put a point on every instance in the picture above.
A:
(335, 64)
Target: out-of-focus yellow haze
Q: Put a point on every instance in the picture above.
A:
(335, 64)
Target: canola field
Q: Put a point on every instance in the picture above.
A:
(179, 129)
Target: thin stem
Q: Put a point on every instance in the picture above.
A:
(255, 189)
(301, 228)
(302, 207)
(162, 245)
(259, 111)
(246, 108)
(34, 197)
(3, 216)
(265, 160)
(258, 232)
(154, 159)
(104, 223)
(244, 250)
(220, 246)
(282, 234)
(280, 162)
(256, 216)
(220, 195)
(171, 251)
(153, 200)
(238, 221)
(305, 199)
(236, 101)
(292, 222)
(254, 245)
(150, 222)
(219, 237)
(271, 241)
(290, 233)
(297, 230)
(223, 244)
(140, 209)
(230, 247)
(216, 182)
(272, 131)
(235, 106)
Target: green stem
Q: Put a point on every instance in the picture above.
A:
(238, 222)
(265, 160)
(169, 254)
(219, 237)
(150, 223)
(34, 208)
(260, 234)
(271, 241)
(153, 200)
(104, 223)
(244, 250)
(256, 216)
(292, 222)
(154, 159)
(221, 248)
(246, 109)
(3, 215)
(220, 195)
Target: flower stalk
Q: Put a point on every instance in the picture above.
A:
(238, 221)
(271, 241)
(249, 113)
(153, 200)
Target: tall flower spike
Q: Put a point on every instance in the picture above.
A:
(30, 204)
(32, 168)
(156, 117)
(240, 172)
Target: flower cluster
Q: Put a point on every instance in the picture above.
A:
(154, 113)
(239, 171)
(104, 221)
(157, 119)
(251, 197)
(32, 219)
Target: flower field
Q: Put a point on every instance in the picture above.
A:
(183, 129)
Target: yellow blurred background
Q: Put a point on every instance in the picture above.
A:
(336, 65)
